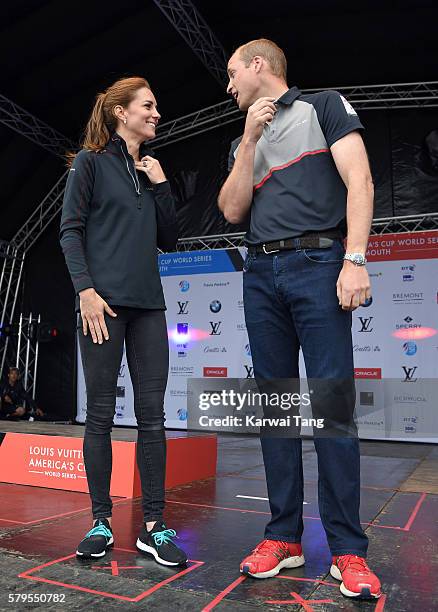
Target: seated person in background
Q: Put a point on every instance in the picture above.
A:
(13, 397)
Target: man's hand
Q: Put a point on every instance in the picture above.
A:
(93, 308)
(353, 286)
(259, 113)
(151, 167)
(7, 399)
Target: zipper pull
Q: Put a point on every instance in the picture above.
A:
(138, 201)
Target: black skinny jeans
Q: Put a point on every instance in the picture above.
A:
(147, 351)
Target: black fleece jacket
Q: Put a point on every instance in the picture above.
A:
(113, 219)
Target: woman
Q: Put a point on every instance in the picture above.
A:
(117, 208)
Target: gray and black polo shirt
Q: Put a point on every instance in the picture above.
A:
(297, 187)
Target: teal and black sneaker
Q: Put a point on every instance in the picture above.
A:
(97, 541)
(158, 543)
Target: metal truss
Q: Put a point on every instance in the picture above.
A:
(395, 95)
(47, 210)
(364, 97)
(39, 132)
(14, 256)
(186, 19)
(10, 279)
(407, 223)
(384, 225)
(27, 351)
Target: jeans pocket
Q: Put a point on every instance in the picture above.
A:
(334, 254)
(248, 262)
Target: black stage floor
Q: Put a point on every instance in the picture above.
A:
(218, 521)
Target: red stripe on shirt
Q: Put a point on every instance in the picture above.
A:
(289, 163)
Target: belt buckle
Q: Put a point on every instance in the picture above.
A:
(269, 252)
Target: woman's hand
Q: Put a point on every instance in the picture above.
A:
(93, 308)
(151, 167)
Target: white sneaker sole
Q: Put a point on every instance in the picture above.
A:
(290, 562)
(365, 593)
(150, 550)
(96, 555)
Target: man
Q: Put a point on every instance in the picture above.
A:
(300, 173)
(13, 397)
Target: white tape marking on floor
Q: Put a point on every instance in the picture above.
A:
(261, 498)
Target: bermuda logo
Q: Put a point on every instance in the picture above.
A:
(366, 324)
(183, 308)
(410, 348)
(215, 328)
(409, 374)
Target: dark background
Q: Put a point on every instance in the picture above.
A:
(60, 55)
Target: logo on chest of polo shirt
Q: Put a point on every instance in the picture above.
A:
(299, 124)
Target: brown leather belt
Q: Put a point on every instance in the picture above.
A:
(322, 240)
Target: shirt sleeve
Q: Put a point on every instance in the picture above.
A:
(75, 211)
(231, 157)
(167, 223)
(336, 116)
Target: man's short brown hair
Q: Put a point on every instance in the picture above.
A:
(269, 51)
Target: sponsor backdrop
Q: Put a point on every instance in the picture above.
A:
(395, 338)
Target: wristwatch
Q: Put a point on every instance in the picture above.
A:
(357, 258)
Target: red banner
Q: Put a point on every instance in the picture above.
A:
(393, 247)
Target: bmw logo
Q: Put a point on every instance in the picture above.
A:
(368, 302)
(215, 306)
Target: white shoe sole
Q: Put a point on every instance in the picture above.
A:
(149, 549)
(96, 555)
(335, 572)
(290, 562)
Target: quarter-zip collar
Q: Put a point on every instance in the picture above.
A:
(119, 146)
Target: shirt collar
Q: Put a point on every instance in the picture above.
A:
(145, 148)
(289, 96)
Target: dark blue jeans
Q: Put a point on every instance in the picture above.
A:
(290, 302)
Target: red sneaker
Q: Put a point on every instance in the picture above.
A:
(357, 578)
(270, 556)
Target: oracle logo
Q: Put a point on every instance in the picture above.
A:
(368, 373)
(216, 372)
